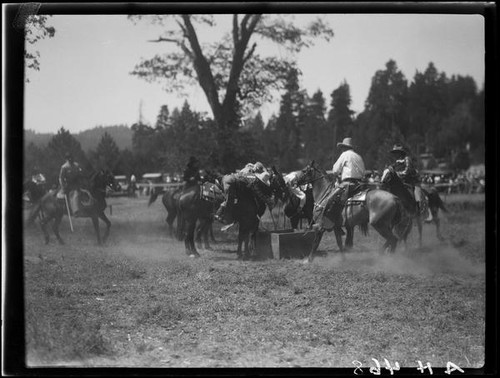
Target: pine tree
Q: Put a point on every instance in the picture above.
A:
(340, 118)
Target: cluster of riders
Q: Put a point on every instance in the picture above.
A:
(329, 201)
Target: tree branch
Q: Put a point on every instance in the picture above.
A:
(250, 53)
(235, 29)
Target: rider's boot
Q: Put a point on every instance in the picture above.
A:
(219, 215)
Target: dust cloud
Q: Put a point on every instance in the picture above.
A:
(443, 259)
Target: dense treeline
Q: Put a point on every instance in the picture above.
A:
(433, 113)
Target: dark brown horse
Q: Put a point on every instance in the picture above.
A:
(379, 208)
(192, 207)
(170, 200)
(247, 212)
(55, 208)
(393, 183)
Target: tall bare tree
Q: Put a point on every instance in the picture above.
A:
(232, 74)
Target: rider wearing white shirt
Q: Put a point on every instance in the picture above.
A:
(350, 168)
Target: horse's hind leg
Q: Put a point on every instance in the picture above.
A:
(95, 222)
(386, 233)
(189, 239)
(170, 221)
(349, 240)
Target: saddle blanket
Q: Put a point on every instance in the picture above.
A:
(357, 198)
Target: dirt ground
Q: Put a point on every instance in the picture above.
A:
(140, 301)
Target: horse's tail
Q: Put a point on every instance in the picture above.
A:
(435, 200)
(363, 227)
(440, 203)
(153, 196)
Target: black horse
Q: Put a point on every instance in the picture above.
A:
(247, 212)
(95, 189)
(34, 192)
(193, 208)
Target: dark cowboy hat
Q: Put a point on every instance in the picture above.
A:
(398, 149)
(346, 143)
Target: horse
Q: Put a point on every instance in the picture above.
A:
(378, 208)
(393, 183)
(247, 212)
(55, 208)
(34, 192)
(292, 202)
(193, 208)
(170, 200)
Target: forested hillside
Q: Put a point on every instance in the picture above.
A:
(121, 134)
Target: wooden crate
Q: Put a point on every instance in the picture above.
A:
(284, 244)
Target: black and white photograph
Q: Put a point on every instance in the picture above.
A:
(253, 188)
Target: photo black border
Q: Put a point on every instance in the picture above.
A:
(13, 345)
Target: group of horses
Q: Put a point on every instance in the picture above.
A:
(390, 208)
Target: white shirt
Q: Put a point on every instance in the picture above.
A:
(349, 165)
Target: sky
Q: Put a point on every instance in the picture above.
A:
(84, 79)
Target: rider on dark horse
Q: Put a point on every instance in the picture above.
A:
(69, 179)
(192, 172)
(405, 169)
(256, 177)
(350, 169)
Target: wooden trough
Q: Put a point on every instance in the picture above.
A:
(281, 244)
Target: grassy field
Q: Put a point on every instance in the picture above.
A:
(140, 301)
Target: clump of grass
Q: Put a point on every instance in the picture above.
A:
(51, 339)
(274, 278)
(161, 314)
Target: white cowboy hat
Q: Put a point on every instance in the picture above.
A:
(264, 177)
(347, 143)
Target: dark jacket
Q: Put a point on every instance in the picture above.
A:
(406, 170)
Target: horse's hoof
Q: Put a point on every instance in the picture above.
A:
(305, 261)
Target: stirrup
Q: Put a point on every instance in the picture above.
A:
(227, 227)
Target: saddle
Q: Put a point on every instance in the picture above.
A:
(211, 192)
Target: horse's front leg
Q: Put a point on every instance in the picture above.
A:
(43, 225)
(240, 243)
(317, 239)
(246, 252)
(55, 228)
(108, 226)
(419, 227)
(95, 222)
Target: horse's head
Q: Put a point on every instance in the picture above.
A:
(104, 179)
(389, 176)
(278, 184)
(309, 174)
